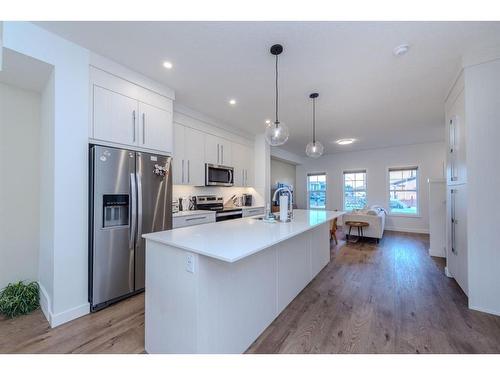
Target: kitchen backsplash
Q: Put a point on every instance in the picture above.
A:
(226, 192)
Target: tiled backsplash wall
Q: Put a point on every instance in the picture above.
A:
(226, 192)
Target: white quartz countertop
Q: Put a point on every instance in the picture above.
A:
(192, 213)
(233, 240)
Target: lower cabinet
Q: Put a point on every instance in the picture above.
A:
(195, 219)
(456, 228)
(253, 211)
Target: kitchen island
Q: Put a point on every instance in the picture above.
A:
(214, 288)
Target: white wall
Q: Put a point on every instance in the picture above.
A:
(428, 157)
(282, 172)
(67, 132)
(482, 101)
(20, 183)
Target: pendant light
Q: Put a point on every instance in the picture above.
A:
(276, 132)
(314, 149)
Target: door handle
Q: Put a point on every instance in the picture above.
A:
(133, 210)
(139, 208)
(133, 125)
(222, 154)
(189, 173)
(218, 153)
(143, 128)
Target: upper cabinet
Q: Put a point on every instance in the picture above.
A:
(456, 171)
(218, 150)
(243, 162)
(129, 115)
(189, 156)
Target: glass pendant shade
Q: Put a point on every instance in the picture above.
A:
(314, 149)
(277, 134)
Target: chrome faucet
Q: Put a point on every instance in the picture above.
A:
(290, 201)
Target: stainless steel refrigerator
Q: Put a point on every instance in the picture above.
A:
(130, 194)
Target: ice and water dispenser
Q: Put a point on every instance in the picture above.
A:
(115, 210)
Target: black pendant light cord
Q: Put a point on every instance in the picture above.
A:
(277, 120)
(314, 121)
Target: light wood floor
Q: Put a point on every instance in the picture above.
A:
(385, 298)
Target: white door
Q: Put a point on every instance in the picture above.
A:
(178, 155)
(194, 146)
(155, 130)
(114, 117)
(457, 262)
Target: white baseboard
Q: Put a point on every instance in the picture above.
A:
(433, 253)
(447, 272)
(62, 317)
(407, 230)
(45, 303)
(487, 311)
(66, 316)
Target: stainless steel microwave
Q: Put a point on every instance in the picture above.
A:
(219, 175)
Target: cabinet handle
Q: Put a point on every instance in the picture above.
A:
(196, 218)
(222, 157)
(182, 171)
(133, 125)
(189, 173)
(143, 128)
(453, 221)
(218, 153)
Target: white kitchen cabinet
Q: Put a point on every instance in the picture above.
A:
(155, 130)
(457, 252)
(243, 165)
(189, 156)
(437, 217)
(128, 115)
(195, 219)
(252, 211)
(114, 117)
(456, 172)
(218, 150)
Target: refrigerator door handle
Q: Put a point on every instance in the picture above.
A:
(133, 210)
(139, 209)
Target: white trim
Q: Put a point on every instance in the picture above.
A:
(388, 191)
(355, 170)
(407, 230)
(62, 317)
(45, 302)
(447, 272)
(484, 310)
(326, 189)
(436, 254)
(68, 315)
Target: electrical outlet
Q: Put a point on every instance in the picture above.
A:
(190, 263)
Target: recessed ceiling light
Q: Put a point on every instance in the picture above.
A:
(346, 141)
(232, 101)
(268, 122)
(401, 49)
(167, 65)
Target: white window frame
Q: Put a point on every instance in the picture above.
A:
(388, 190)
(326, 190)
(347, 171)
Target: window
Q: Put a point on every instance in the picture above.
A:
(403, 191)
(316, 191)
(354, 190)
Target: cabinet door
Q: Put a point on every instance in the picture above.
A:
(457, 253)
(178, 156)
(212, 149)
(114, 117)
(249, 173)
(194, 145)
(239, 164)
(456, 172)
(155, 131)
(225, 152)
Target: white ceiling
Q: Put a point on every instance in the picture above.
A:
(365, 92)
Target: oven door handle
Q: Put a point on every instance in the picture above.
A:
(230, 213)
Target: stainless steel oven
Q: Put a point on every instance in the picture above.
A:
(218, 175)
